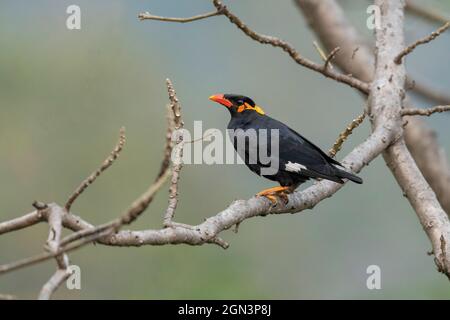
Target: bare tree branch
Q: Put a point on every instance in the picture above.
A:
(294, 54)
(54, 213)
(175, 122)
(425, 112)
(44, 256)
(144, 200)
(148, 16)
(331, 26)
(387, 94)
(331, 57)
(322, 53)
(241, 210)
(329, 22)
(431, 37)
(430, 157)
(178, 163)
(53, 283)
(355, 122)
(21, 222)
(285, 46)
(385, 102)
(208, 231)
(326, 58)
(54, 219)
(345, 134)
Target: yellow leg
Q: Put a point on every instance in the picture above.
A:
(273, 193)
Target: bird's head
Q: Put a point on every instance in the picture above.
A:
(237, 104)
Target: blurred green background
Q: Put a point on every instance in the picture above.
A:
(65, 94)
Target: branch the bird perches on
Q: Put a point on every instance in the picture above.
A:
(386, 90)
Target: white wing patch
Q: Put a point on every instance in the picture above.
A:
(295, 167)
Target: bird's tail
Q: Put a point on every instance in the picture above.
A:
(347, 175)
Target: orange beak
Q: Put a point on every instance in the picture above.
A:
(219, 98)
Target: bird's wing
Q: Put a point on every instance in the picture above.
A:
(296, 139)
(313, 146)
(299, 155)
(302, 157)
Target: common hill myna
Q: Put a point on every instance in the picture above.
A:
(298, 159)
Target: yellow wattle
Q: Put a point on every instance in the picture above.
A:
(246, 106)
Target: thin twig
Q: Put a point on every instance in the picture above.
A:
(142, 202)
(174, 105)
(287, 47)
(105, 165)
(425, 112)
(178, 155)
(322, 53)
(5, 268)
(356, 122)
(169, 143)
(86, 236)
(97, 236)
(331, 57)
(173, 189)
(220, 242)
(126, 218)
(345, 134)
(431, 37)
(54, 220)
(110, 225)
(148, 16)
(293, 53)
(204, 138)
(175, 122)
(326, 58)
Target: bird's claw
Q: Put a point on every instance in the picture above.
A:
(274, 194)
(272, 198)
(284, 196)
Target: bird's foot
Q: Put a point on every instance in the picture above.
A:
(274, 193)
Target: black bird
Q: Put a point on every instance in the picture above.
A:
(298, 159)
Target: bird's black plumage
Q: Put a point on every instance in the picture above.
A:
(299, 159)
